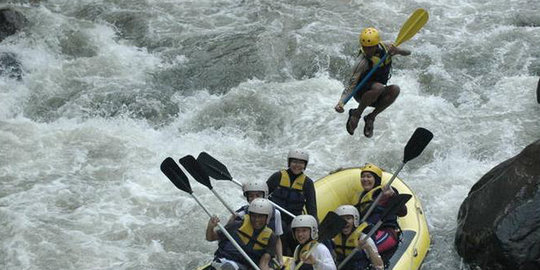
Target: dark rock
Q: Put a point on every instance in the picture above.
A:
(11, 21)
(527, 19)
(10, 66)
(499, 221)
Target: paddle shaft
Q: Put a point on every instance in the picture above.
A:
(273, 203)
(372, 206)
(365, 79)
(180, 180)
(223, 202)
(313, 248)
(219, 171)
(226, 233)
(307, 255)
(394, 205)
(331, 225)
(195, 170)
(356, 249)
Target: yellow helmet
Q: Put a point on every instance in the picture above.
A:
(372, 168)
(369, 37)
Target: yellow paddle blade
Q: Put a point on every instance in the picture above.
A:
(412, 26)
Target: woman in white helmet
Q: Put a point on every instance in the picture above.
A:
(294, 191)
(252, 191)
(305, 231)
(251, 233)
(352, 237)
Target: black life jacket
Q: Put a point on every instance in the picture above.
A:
(254, 243)
(290, 195)
(382, 74)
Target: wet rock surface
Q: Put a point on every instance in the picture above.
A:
(499, 221)
(11, 21)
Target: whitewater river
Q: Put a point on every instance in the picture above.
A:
(112, 87)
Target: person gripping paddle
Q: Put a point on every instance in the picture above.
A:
(371, 73)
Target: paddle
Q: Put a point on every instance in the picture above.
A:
(214, 168)
(331, 225)
(180, 180)
(408, 30)
(416, 144)
(393, 206)
(192, 166)
(218, 171)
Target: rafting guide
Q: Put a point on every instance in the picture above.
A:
(294, 191)
(368, 83)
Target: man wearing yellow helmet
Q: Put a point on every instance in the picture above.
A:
(374, 93)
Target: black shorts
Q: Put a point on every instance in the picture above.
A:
(365, 88)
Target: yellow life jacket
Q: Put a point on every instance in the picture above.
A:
(298, 183)
(305, 249)
(367, 200)
(344, 247)
(290, 195)
(245, 235)
(364, 204)
(377, 57)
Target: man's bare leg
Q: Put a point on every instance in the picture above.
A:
(368, 98)
(388, 97)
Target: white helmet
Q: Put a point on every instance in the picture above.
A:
(263, 207)
(258, 186)
(303, 221)
(297, 154)
(349, 210)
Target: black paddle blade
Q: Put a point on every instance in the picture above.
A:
(192, 166)
(213, 167)
(395, 204)
(331, 225)
(175, 174)
(417, 143)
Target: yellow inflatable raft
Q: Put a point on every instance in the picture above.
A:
(343, 187)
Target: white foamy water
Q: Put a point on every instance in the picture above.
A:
(111, 88)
